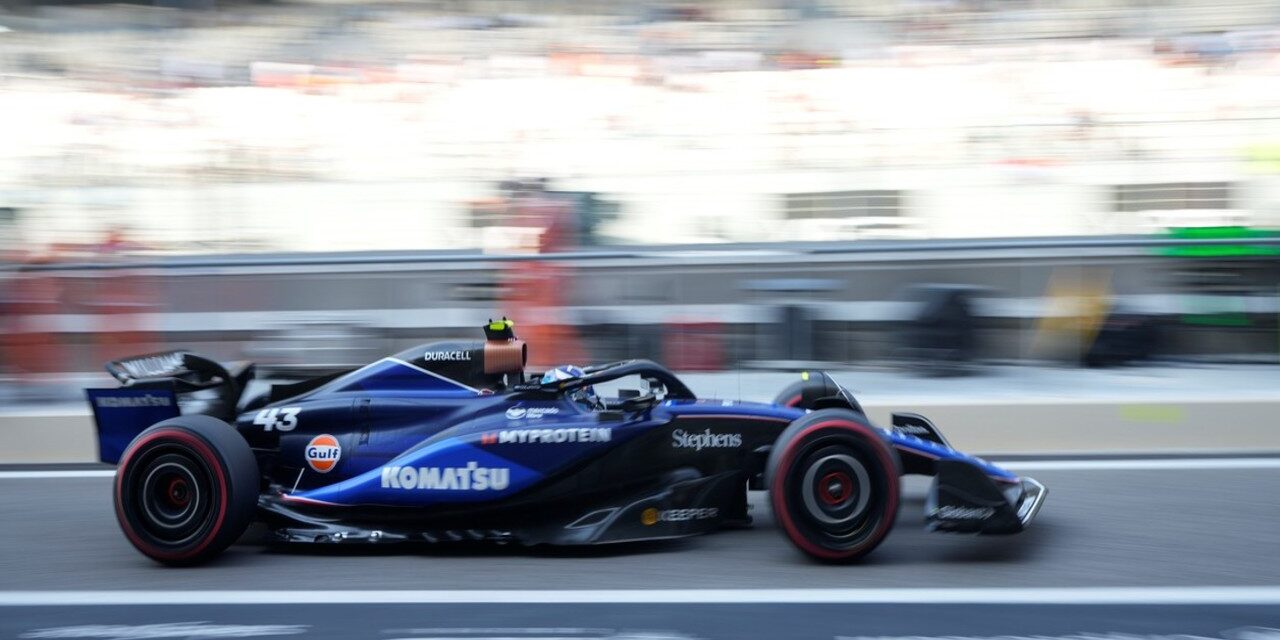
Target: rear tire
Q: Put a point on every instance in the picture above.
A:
(834, 485)
(185, 489)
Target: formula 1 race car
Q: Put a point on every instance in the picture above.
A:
(451, 441)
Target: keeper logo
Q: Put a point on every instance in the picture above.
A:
(651, 516)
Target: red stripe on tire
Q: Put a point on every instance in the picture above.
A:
(778, 496)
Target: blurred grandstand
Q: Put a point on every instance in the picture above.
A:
(348, 126)
(135, 132)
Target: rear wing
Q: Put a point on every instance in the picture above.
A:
(157, 387)
(183, 367)
(121, 414)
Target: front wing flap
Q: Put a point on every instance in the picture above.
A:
(964, 499)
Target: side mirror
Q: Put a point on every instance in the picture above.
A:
(656, 387)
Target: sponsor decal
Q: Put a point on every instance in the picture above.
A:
(279, 418)
(547, 436)
(530, 413)
(912, 429)
(153, 366)
(681, 439)
(130, 402)
(323, 453)
(472, 477)
(651, 516)
(447, 356)
(949, 512)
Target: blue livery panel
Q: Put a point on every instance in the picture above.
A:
(449, 471)
(921, 447)
(121, 414)
(503, 450)
(902, 441)
(392, 375)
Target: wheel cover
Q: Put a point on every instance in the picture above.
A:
(836, 489)
(168, 493)
(171, 496)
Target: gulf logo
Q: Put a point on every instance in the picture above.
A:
(323, 453)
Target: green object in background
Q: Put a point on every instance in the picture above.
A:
(1244, 249)
(1170, 414)
(1216, 311)
(1221, 319)
(1221, 310)
(1264, 157)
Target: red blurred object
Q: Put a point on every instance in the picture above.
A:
(118, 303)
(694, 346)
(535, 299)
(539, 290)
(31, 344)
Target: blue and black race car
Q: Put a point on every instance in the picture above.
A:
(453, 441)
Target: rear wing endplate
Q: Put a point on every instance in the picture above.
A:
(121, 414)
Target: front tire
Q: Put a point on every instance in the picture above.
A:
(816, 390)
(185, 489)
(834, 485)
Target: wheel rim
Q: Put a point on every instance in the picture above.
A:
(170, 492)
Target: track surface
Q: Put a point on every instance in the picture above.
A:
(1177, 527)
(1173, 527)
(661, 622)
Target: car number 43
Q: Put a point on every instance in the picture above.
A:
(280, 418)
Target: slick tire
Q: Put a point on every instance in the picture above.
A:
(815, 390)
(793, 394)
(834, 485)
(186, 488)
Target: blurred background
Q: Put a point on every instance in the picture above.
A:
(932, 187)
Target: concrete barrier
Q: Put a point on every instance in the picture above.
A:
(46, 438)
(989, 429)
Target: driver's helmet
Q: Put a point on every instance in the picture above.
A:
(585, 395)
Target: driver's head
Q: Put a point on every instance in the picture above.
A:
(586, 395)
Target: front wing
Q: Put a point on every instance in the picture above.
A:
(965, 499)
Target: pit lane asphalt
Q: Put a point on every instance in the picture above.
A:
(1099, 527)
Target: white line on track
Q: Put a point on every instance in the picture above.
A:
(1117, 464)
(1141, 464)
(54, 473)
(1260, 595)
